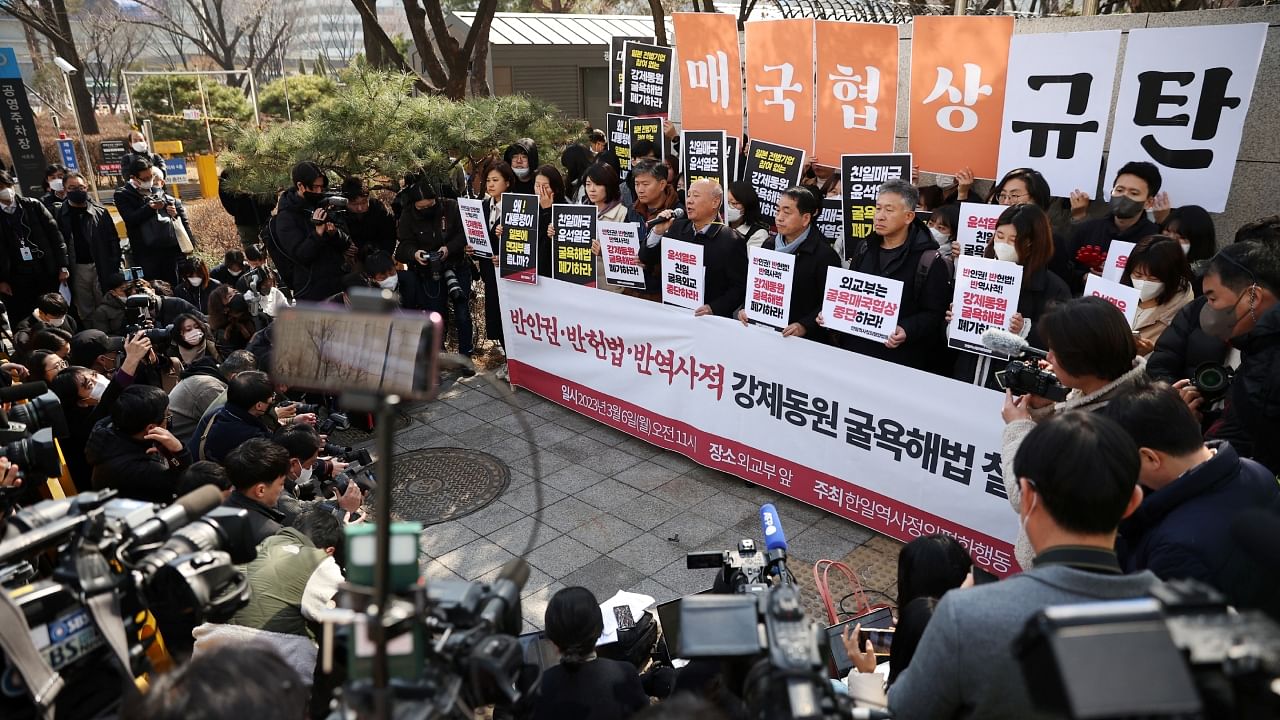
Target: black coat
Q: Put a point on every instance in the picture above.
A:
(315, 263)
(197, 296)
(231, 427)
(376, 228)
(122, 463)
(1183, 530)
(601, 689)
(1040, 292)
(29, 326)
(1099, 232)
(725, 259)
(1251, 420)
(813, 258)
(99, 231)
(441, 229)
(34, 221)
(248, 209)
(923, 311)
(263, 521)
(135, 209)
(109, 315)
(1183, 346)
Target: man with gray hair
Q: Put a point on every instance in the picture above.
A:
(725, 254)
(901, 248)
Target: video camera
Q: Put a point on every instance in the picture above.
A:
(1180, 653)
(177, 561)
(334, 205)
(28, 431)
(772, 654)
(1025, 378)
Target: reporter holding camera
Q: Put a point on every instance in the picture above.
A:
(249, 397)
(201, 385)
(1091, 351)
(303, 444)
(258, 468)
(148, 219)
(111, 315)
(432, 244)
(307, 247)
(135, 453)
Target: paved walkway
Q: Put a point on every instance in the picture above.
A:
(616, 513)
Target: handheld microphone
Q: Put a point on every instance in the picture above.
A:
(1006, 343)
(771, 526)
(676, 214)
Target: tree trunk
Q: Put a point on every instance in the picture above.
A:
(659, 21)
(372, 50)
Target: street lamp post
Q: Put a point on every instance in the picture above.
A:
(67, 71)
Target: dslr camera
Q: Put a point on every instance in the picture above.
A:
(1026, 378)
(434, 266)
(1213, 380)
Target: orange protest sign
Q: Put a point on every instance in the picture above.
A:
(856, 89)
(780, 82)
(958, 69)
(710, 71)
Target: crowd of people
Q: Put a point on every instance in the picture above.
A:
(162, 367)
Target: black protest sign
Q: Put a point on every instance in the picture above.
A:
(575, 228)
(619, 130)
(703, 157)
(772, 169)
(615, 65)
(519, 237)
(732, 157)
(20, 127)
(647, 129)
(113, 152)
(860, 179)
(830, 220)
(646, 79)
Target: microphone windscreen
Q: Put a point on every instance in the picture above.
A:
(200, 501)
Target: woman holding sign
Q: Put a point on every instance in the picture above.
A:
(499, 180)
(1158, 269)
(604, 190)
(1023, 237)
(548, 185)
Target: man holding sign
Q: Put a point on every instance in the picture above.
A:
(902, 248)
(796, 236)
(1133, 193)
(725, 254)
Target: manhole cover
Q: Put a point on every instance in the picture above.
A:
(439, 484)
(355, 436)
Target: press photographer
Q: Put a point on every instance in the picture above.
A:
(307, 247)
(433, 246)
(135, 302)
(150, 218)
(258, 468)
(310, 481)
(135, 453)
(201, 385)
(369, 223)
(249, 396)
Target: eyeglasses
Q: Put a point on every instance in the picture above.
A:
(1011, 197)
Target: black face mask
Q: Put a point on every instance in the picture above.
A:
(78, 197)
(428, 212)
(312, 198)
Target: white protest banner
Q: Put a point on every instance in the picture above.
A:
(986, 297)
(1184, 95)
(1057, 102)
(977, 227)
(620, 250)
(769, 276)
(1123, 297)
(862, 305)
(683, 274)
(472, 215)
(837, 430)
(1117, 259)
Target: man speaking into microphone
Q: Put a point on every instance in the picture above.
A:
(725, 254)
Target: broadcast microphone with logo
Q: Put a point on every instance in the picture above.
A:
(1006, 343)
(771, 526)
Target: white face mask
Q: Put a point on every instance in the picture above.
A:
(56, 322)
(193, 336)
(946, 181)
(522, 173)
(195, 281)
(6, 196)
(390, 283)
(1006, 252)
(304, 477)
(100, 384)
(139, 146)
(733, 214)
(1148, 289)
(1022, 520)
(940, 237)
(1186, 248)
(56, 185)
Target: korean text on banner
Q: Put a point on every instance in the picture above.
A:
(619, 129)
(842, 436)
(574, 227)
(683, 274)
(860, 179)
(780, 82)
(471, 212)
(856, 89)
(616, 46)
(830, 222)
(958, 68)
(1124, 297)
(771, 169)
(646, 80)
(1056, 106)
(710, 71)
(861, 305)
(647, 129)
(1184, 96)
(977, 227)
(986, 297)
(620, 252)
(519, 237)
(703, 157)
(769, 277)
(25, 151)
(1117, 259)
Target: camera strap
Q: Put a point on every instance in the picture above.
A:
(20, 651)
(103, 604)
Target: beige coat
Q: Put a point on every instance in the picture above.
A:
(1151, 323)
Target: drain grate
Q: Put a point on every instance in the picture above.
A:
(439, 484)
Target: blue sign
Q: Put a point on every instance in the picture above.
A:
(9, 69)
(68, 150)
(175, 170)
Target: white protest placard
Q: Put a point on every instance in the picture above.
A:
(859, 304)
(1123, 297)
(977, 227)
(1184, 96)
(620, 250)
(683, 274)
(1117, 258)
(1057, 102)
(986, 296)
(769, 276)
(472, 214)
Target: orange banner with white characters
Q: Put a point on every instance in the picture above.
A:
(780, 82)
(710, 70)
(856, 89)
(958, 70)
